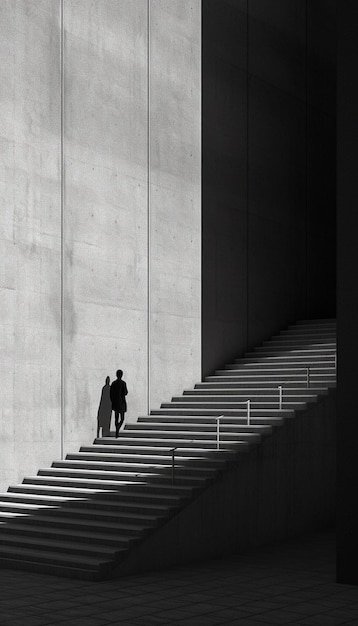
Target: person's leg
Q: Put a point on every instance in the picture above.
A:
(97, 430)
(116, 416)
(122, 420)
(108, 425)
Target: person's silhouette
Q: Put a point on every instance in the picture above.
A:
(105, 411)
(118, 394)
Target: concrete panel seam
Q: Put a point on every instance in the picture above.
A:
(247, 180)
(62, 195)
(306, 160)
(148, 212)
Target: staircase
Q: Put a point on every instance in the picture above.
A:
(84, 515)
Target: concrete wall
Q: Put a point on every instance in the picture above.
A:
(321, 157)
(281, 488)
(175, 196)
(100, 248)
(268, 170)
(347, 296)
(105, 206)
(30, 236)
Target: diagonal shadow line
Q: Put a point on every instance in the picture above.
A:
(110, 497)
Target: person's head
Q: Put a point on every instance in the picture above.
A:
(119, 373)
(108, 380)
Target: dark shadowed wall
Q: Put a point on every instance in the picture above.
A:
(268, 136)
(347, 300)
(281, 488)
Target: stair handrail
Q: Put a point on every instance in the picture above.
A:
(172, 450)
(306, 369)
(173, 465)
(218, 431)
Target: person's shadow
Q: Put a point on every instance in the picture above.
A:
(105, 411)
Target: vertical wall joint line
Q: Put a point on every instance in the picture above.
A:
(62, 196)
(148, 216)
(247, 178)
(307, 312)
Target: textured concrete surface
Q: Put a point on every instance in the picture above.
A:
(29, 236)
(131, 259)
(175, 196)
(105, 207)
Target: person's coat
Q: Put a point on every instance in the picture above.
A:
(118, 395)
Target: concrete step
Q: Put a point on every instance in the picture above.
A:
(190, 427)
(69, 541)
(24, 508)
(185, 468)
(298, 353)
(256, 414)
(120, 449)
(285, 346)
(209, 389)
(274, 371)
(234, 383)
(58, 563)
(308, 330)
(216, 402)
(201, 421)
(153, 477)
(83, 514)
(278, 379)
(259, 401)
(146, 458)
(287, 335)
(152, 440)
(128, 487)
(236, 433)
(281, 362)
(77, 513)
(74, 529)
(88, 527)
(288, 343)
(96, 505)
(179, 439)
(55, 488)
(205, 429)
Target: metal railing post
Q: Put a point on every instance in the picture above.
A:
(248, 403)
(218, 431)
(280, 396)
(173, 465)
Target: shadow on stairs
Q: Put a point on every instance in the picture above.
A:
(244, 458)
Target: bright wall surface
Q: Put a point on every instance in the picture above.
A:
(30, 236)
(100, 235)
(175, 196)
